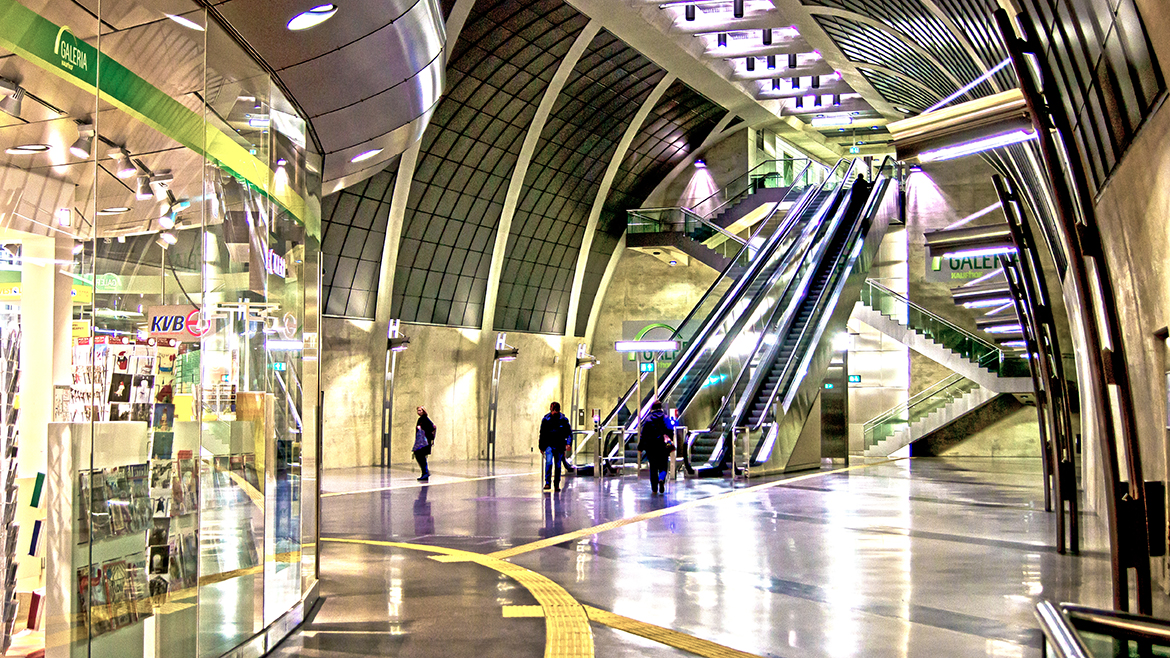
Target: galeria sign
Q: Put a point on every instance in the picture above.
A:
(182, 323)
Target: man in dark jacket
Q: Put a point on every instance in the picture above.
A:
(657, 445)
(555, 434)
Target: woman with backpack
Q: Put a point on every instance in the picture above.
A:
(424, 438)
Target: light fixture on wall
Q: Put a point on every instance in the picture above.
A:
(503, 353)
(312, 17)
(83, 146)
(585, 361)
(11, 95)
(699, 164)
(395, 342)
(973, 242)
(964, 129)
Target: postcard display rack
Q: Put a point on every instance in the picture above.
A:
(123, 492)
(9, 529)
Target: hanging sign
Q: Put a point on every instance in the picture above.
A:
(183, 323)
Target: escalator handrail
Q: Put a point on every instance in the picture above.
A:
(798, 205)
(826, 208)
(786, 310)
(876, 194)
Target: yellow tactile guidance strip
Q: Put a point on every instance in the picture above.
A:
(687, 643)
(612, 525)
(566, 626)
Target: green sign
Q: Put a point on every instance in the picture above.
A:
(965, 268)
(854, 379)
(55, 48)
(828, 386)
(646, 367)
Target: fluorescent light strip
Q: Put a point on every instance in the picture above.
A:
(973, 216)
(1001, 309)
(969, 86)
(990, 275)
(646, 345)
(1004, 329)
(987, 303)
(975, 253)
(977, 146)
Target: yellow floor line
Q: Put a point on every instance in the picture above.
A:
(417, 485)
(670, 638)
(612, 525)
(566, 626)
(515, 611)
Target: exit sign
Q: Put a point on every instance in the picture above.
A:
(854, 150)
(646, 367)
(854, 379)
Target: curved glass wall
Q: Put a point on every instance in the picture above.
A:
(159, 274)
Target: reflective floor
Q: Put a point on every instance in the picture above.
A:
(923, 557)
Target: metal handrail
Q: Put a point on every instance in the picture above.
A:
(1063, 622)
(687, 212)
(918, 397)
(746, 176)
(934, 316)
(1059, 632)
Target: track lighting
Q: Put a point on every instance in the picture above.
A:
(767, 36)
(142, 188)
(689, 12)
(775, 84)
(83, 147)
(771, 62)
(11, 94)
(124, 167)
(737, 8)
(751, 63)
(721, 39)
(792, 60)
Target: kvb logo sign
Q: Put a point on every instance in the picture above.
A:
(183, 323)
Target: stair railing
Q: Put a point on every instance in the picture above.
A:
(783, 172)
(886, 423)
(684, 220)
(961, 341)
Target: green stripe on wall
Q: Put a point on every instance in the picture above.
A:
(55, 49)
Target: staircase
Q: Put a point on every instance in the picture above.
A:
(928, 411)
(965, 353)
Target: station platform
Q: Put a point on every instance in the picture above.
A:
(912, 557)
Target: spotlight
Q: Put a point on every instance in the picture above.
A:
(775, 84)
(767, 36)
(160, 184)
(689, 12)
(721, 40)
(166, 221)
(699, 164)
(83, 147)
(11, 94)
(792, 60)
(800, 101)
(771, 62)
(125, 168)
(836, 99)
(796, 83)
(751, 63)
(142, 188)
(77, 248)
(168, 238)
(816, 82)
(737, 8)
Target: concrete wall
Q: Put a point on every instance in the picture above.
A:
(724, 162)
(448, 371)
(642, 288)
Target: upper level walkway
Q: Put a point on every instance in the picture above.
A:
(914, 557)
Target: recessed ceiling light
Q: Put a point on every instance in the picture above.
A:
(312, 18)
(185, 22)
(28, 149)
(366, 156)
(117, 210)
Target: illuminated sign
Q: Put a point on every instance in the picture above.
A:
(182, 323)
(854, 379)
(966, 268)
(275, 264)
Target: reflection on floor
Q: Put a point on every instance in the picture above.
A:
(923, 557)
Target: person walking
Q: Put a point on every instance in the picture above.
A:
(555, 434)
(655, 442)
(424, 438)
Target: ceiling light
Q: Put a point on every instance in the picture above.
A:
(792, 60)
(977, 146)
(689, 12)
(64, 217)
(142, 188)
(259, 122)
(168, 238)
(645, 345)
(28, 149)
(312, 18)
(365, 156)
(673, 263)
(1005, 329)
(160, 184)
(122, 239)
(166, 221)
(186, 22)
(771, 62)
(83, 147)
(699, 164)
(77, 248)
(721, 40)
(116, 210)
(767, 36)
(987, 303)
(977, 253)
(831, 121)
(10, 96)
(126, 168)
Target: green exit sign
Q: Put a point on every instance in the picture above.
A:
(854, 150)
(828, 386)
(854, 379)
(646, 367)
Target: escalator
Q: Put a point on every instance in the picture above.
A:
(759, 379)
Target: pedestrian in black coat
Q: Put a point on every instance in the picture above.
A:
(656, 443)
(555, 434)
(424, 438)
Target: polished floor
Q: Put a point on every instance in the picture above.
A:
(915, 557)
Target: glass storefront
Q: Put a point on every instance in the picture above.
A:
(159, 274)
